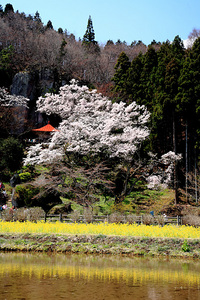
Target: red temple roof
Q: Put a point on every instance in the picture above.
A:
(46, 128)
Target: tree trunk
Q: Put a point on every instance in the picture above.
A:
(126, 180)
(186, 161)
(195, 177)
(122, 194)
(175, 163)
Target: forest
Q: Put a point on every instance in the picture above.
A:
(157, 83)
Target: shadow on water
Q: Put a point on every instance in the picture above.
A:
(42, 276)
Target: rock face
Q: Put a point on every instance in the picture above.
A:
(24, 84)
(31, 85)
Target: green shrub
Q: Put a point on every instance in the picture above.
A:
(30, 196)
(24, 177)
(24, 195)
(185, 247)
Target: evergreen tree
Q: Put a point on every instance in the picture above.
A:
(121, 73)
(134, 86)
(60, 30)
(89, 36)
(167, 81)
(187, 109)
(150, 62)
(195, 81)
(195, 64)
(109, 43)
(8, 8)
(37, 17)
(170, 104)
(162, 108)
(49, 25)
(62, 51)
(89, 39)
(6, 62)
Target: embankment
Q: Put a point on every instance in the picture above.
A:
(101, 244)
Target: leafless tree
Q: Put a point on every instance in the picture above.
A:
(81, 184)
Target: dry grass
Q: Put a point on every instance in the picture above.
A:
(88, 215)
(32, 214)
(116, 217)
(131, 219)
(165, 200)
(191, 220)
(148, 219)
(75, 215)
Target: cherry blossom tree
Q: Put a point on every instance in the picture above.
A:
(91, 124)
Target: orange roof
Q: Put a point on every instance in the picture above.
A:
(46, 128)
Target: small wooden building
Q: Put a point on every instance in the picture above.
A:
(44, 133)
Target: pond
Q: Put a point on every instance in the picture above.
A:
(85, 277)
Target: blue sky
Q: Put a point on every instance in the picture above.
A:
(127, 20)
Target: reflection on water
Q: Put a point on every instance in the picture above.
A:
(41, 276)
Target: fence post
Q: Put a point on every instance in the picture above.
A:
(60, 217)
(179, 220)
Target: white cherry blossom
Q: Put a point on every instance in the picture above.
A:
(91, 123)
(12, 100)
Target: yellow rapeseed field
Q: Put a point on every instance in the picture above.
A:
(167, 231)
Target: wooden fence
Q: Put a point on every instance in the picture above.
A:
(98, 219)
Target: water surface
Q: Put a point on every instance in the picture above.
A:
(42, 276)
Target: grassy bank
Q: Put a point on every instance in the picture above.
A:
(100, 244)
(103, 238)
